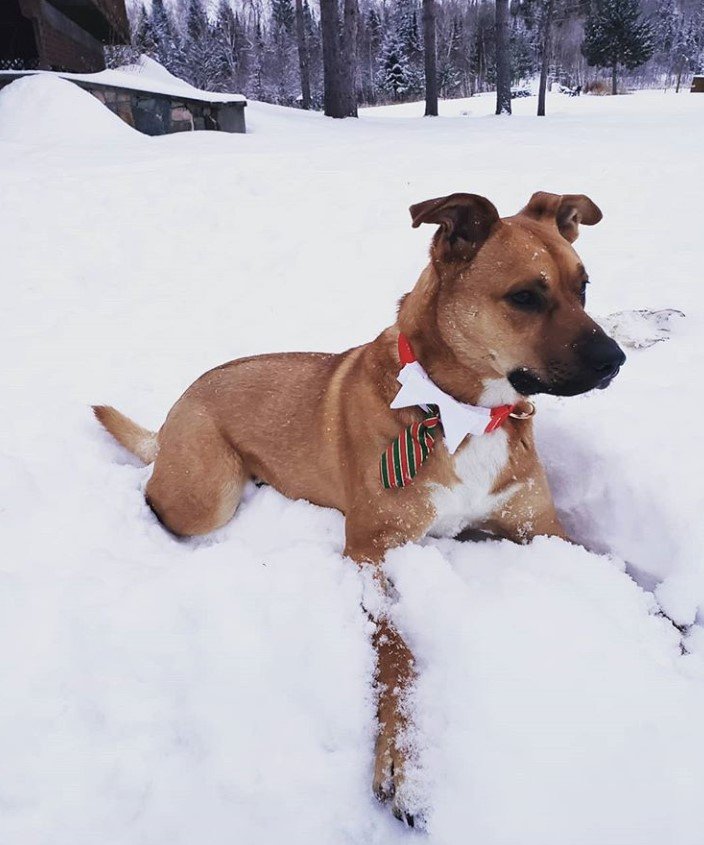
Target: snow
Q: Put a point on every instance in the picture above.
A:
(219, 690)
(44, 109)
(145, 75)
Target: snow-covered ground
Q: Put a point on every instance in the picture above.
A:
(219, 691)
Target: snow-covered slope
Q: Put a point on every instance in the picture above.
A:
(44, 109)
(219, 690)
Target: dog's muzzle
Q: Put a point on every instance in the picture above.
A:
(596, 362)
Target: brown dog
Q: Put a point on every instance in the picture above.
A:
(498, 314)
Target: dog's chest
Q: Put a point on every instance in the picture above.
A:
(470, 502)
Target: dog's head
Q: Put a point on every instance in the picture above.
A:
(507, 296)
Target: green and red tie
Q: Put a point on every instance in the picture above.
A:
(403, 458)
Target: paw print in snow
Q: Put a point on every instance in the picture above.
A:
(641, 328)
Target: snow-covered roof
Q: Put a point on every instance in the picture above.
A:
(144, 75)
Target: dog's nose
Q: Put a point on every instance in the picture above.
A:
(604, 356)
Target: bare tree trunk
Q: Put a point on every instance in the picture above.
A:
(480, 77)
(302, 55)
(503, 59)
(370, 73)
(348, 64)
(331, 56)
(431, 70)
(545, 47)
(614, 81)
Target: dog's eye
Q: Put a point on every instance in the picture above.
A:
(583, 292)
(527, 300)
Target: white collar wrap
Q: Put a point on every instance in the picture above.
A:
(458, 419)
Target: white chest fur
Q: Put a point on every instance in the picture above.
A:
(478, 464)
(470, 502)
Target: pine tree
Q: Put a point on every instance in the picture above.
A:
(158, 35)
(231, 45)
(680, 38)
(283, 20)
(283, 15)
(395, 76)
(405, 22)
(616, 36)
(256, 85)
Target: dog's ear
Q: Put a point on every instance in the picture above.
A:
(567, 210)
(465, 222)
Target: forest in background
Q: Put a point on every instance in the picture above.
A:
(340, 54)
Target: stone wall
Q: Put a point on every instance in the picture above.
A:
(160, 114)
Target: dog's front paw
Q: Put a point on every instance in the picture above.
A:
(389, 778)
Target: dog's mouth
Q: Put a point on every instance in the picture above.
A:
(605, 382)
(527, 383)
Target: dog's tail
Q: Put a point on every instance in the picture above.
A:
(133, 437)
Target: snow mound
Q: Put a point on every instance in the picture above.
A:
(43, 109)
(147, 75)
(151, 69)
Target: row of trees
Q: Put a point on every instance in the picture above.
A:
(371, 51)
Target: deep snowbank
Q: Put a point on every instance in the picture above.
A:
(220, 690)
(44, 109)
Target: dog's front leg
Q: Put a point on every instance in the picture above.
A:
(530, 513)
(525, 529)
(395, 674)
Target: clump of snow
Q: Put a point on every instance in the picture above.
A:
(44, 109)
(555, 707)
